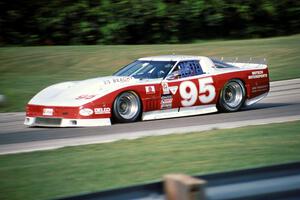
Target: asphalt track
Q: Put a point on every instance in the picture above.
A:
(281, 105)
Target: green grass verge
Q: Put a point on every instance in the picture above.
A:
(74, 170)
(26, 70)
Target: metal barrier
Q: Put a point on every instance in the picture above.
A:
(272, 182)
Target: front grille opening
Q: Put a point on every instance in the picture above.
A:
(47, 121)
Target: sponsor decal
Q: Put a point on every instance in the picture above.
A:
(99, 111)
(166, 101)
(260, 88)
(118, 80)
(150, 89)
(173, 89)
(107, 82)
(257, 74)
(85, 96)
(86, 112)
(165, 88)
(48, 111)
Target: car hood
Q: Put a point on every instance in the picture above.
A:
(77, 93)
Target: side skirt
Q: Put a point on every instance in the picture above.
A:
(179, 112)
(254, 100)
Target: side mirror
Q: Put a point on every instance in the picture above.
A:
(173, 76)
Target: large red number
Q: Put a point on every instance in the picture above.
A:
(189, 93)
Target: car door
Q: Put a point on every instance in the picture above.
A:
(186, 86)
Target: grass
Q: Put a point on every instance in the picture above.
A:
(26, 70)
(74, 170)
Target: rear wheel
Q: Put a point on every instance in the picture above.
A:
(232, 96)
(127, 107)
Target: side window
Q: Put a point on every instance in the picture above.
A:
(189, 68)
(220, 64)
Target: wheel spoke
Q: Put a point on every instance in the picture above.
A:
(127, 105)
(233, 94)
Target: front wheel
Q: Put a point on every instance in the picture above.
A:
(127, 107)
(232, 96)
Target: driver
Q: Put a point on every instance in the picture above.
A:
(164, 70)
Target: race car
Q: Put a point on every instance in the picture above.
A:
(151, 88)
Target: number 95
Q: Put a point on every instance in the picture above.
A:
(189, 93)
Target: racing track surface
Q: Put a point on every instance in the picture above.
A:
(282, 104)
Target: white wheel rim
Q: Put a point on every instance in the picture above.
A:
(127, 105)
(233, 94)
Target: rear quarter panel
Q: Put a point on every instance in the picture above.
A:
(256, 81)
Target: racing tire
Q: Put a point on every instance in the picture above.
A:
(232, 96)
(127, 107)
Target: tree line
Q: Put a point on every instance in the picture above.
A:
(71, 22)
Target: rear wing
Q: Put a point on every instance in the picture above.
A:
(252, 62)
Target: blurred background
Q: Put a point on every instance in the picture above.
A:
(72, 22)
(49, 41)
(43, 42)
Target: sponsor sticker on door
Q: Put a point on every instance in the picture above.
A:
(173, 89)
(166, 101)
(165, 88)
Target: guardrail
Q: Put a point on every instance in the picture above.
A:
(272, 182)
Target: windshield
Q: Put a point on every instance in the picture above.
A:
(146, 69)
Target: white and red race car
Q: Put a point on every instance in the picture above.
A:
(151, 88)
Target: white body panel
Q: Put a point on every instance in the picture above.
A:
(68, 93)
(179, 112)
(249, 65)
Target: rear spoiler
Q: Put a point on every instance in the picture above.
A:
(251, 62)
